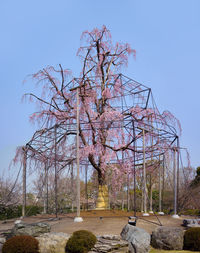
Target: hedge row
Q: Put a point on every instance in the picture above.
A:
(16, 211)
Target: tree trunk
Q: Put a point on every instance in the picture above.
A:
(101, 178)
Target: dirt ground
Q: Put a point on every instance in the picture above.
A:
(98, 222)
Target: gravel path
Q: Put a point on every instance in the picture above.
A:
(98, 225)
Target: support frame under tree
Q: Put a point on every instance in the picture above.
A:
(102, 91)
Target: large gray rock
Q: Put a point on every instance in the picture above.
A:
(34, 229)
(168, 238)
(110, 243)
(138, 238)
(52, 242)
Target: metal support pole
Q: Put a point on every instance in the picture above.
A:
(142, 192)
(55, 164)
(144, 176)
(159, 185)
(151, 196)
(151, 186)
(45, 187)
(77, 154)
(160, 190)
(24, 183)
(163, 180)
(72, 186)
(134, 170)
(128, 192)
(178, 171)
(86, 188)
(78, 218)
(175, 186)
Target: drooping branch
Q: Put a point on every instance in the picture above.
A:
(105, 129)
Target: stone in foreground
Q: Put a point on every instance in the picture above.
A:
(34, 229)
(138, 238)
(53, 242)
(168, 238)
(110, 243)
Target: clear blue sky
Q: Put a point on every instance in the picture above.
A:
(165, 34)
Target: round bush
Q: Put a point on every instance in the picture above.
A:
(81, 241)
(192, 239)
(22, 244)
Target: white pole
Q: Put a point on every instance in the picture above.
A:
(45, 187)
(175, 187)
(160, 190)
(24, 182)
(151, 185)
(144, 176)
(159, 186)
(78, 218)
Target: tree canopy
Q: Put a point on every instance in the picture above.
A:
(113, 108)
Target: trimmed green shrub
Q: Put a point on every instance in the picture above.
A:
(22, 244)
(9, 212)
(81, 241)
(193, 212)
(33, 210)
(192, 239)
(16, 211)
